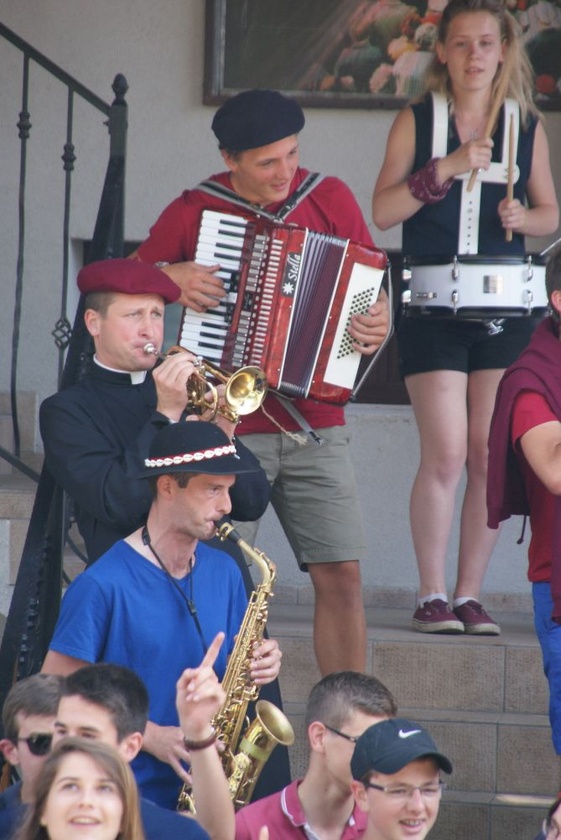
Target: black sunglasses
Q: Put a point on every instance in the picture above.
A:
(352, 738)
(38, 744)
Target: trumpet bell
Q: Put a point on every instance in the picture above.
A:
(246, 389)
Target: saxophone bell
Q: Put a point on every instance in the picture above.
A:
(270, 728)
(246, 746)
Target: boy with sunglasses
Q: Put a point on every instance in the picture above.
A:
(396, 770)
(28, 719)
(340, 707)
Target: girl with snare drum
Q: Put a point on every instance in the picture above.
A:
(478, 118)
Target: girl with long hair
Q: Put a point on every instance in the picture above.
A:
(452, 366)
(85, 789)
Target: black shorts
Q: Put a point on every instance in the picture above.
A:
(428, 343)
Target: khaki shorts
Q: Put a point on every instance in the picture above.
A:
(314, 494)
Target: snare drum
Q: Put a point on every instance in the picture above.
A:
(475, 286)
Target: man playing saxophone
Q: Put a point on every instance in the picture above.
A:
(156, 600)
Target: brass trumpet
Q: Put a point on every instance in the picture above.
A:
(245, 389)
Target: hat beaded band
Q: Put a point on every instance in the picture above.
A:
(189, 457)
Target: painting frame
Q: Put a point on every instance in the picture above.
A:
(227, 42)
(217, 87)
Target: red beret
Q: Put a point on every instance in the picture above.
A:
(129, 277)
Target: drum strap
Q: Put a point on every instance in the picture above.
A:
(468, 234)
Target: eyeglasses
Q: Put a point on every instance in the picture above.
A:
(399, 793)
(551, 831)
(39, 743)
(352, 738)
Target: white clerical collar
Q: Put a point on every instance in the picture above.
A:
(137, 376)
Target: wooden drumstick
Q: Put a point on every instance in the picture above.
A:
(500, 95)
(510, 181)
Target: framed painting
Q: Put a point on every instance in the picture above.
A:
(351, 53)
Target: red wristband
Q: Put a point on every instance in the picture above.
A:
(425, 186)
(200, 745)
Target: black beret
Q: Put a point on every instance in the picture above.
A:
(128, 277)
(196, 447)
(256, 118)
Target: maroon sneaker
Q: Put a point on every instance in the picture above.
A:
(436, 617)
(475, 619)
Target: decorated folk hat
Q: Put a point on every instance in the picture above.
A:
(128, 277)
(256, 118)
(386, 747)
(196, 447)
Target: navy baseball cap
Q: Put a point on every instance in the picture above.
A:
(256, 118)
(390, 745)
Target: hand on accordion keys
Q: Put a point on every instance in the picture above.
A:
(368, 331)
(200, 288)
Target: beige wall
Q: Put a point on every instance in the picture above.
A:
(159, 47)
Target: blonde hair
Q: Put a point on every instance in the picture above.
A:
(520, 74)
(105, 757)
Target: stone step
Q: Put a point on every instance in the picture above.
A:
(17, 495)
(479, 673)
(480, 817)
(484, 699)
(27, 406)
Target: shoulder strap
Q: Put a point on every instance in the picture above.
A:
(439, 124)
(225, 193)
(309, 183)
(218, 191)
(468, 233)
(498, 171)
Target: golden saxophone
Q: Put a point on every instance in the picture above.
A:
(247, 746)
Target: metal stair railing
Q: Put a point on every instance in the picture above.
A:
(36, 596)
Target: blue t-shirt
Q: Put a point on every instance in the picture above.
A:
(12, 811)
(126, 610)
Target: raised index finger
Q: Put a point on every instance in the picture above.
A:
(213, 650)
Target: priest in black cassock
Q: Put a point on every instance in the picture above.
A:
(98, 432)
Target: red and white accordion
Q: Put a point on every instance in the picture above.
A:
(291, 293)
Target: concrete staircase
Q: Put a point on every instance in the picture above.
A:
(484, 699)
(17, 492)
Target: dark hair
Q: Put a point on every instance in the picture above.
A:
(553, 272)
(115, 688)
(35, 695)
(109, 760)
(99, 301)
(334, 698)
(231, 153)
(181, 479)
